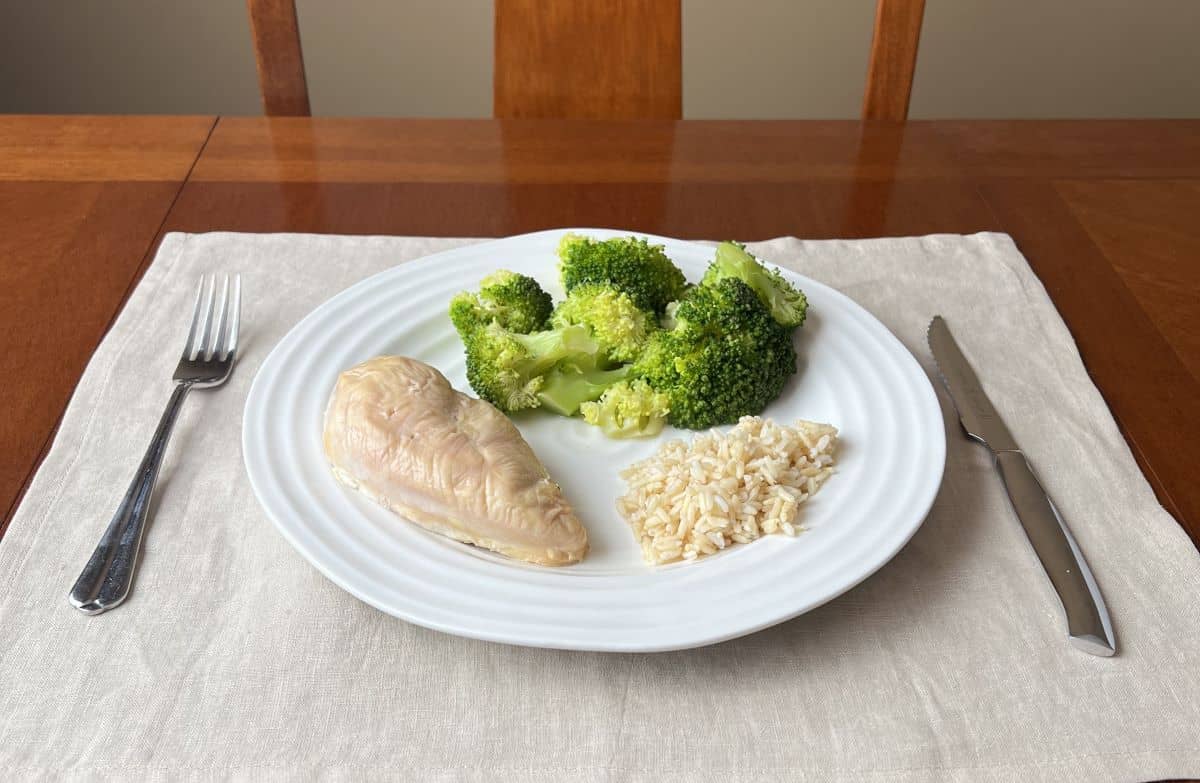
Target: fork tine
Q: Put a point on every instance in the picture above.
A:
(187, 346)
(212, 347)
(210, 293)
(199, 319)
(231, 340)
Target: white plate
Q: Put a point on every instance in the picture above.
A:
(853, 374)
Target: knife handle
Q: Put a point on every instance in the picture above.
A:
(1088, 623)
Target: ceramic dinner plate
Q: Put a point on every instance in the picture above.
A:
(853, 373)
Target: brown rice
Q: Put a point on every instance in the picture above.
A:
(692, 500)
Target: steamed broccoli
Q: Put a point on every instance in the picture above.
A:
(633, 346)
(506, 368)
(620, 326)
(787, 304)
(629, 264)
(629, 410)
(569, 386)
(726, 356)
(512, 300)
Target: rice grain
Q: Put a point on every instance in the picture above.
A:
(695, 499)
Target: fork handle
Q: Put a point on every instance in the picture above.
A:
(105, 580)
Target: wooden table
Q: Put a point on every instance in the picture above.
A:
(1105, 211)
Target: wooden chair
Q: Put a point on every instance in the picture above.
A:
(632, 68)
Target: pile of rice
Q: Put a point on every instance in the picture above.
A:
(692, 500)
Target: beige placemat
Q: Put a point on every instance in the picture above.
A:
(234, 659)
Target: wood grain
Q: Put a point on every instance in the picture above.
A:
(689, 210)
(893, 59)
(1073, 149)
(278, 57)
(531, 151)
(1153, 397)
(82, 148)
(561, 151)
(71, 252)
(1150, 233)
(564, 59)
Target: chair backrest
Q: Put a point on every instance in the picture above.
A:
(620, 59)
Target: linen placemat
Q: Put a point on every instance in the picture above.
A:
(234, 659)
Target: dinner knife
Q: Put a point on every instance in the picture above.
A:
(1088, 623)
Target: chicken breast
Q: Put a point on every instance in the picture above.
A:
(398, 432)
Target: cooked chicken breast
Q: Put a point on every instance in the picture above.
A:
(398, 432)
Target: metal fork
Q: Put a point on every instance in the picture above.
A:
(207, 361)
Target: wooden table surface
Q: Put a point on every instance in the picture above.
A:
(1105, 211)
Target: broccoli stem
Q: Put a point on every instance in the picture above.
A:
(548, 348)
(565, 388)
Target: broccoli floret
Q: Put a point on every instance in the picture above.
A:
(787, 304)
(629, 410)
(725, 358)
(568, 386)
(507, 368)
(512, 300)
(628, 264)
(620, 326)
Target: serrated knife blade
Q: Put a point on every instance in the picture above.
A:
(1088, 624)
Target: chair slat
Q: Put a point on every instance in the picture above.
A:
(619, 59)
(280, 60)
(893, 59)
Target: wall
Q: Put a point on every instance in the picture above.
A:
(756, 58)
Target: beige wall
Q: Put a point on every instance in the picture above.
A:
(756, 58)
